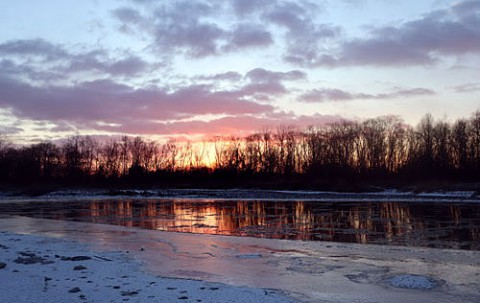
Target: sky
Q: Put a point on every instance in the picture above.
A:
(198, 68)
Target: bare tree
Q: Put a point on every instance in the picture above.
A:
(316, 146)
(170, 153)
(397, 139)
(49, 158)
(441, 139)
(341, 138)
(425, 133)
(375, 135)
(253, 153)
(286, 137)
(124, 145)
(72, 157)
(459, 143)
(474, 146)
(111, 155)
(268, 158)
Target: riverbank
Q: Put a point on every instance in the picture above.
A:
(454, 195)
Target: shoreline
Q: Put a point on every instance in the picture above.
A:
(311, 272)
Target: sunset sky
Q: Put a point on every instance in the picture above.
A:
(199, 68)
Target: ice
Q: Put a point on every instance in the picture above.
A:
(249, 256)
(308, 271)
(60, 271)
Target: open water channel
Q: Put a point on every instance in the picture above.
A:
(426, 224)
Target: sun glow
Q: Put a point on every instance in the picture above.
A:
(203, 153)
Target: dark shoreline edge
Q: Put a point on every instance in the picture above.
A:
(385, 195)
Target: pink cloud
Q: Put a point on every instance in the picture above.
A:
(87, 103)
(235, 125)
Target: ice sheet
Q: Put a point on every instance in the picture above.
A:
(311, 271)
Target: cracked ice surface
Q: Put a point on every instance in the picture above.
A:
(308, 271)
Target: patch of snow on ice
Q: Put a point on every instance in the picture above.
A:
(412, 282)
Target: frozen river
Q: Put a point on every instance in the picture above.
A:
(307, 271)
(425, 251)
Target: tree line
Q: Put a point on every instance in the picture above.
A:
(375, 150)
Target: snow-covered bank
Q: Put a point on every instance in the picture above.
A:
(47, 269)
(311, 271)
(458, 196)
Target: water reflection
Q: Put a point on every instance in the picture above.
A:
(426, 224)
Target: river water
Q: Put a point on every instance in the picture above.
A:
(426, 224)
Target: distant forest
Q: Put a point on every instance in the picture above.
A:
(379, 151)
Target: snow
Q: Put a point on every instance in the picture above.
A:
(412, 282)
(457, 194)
(171, 266)
(254, 194)
(43, 269)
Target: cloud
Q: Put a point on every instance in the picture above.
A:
(33, 47)
(305, 39)
(264, 85)
(424, 41)
(192, 29)
(128, 66)
(128, 15)
(334, 94)
(175, 27)
(326, 94)
(245, 7)
(88, 103)
(467, 87)
(9, 130)
(380, 52)
(227, 76)
(263, 91)
(263, 75)
(247, 36)
(56, 62)
(413, 92)
(13, 69)
(467, 9)
(231, 125)
(198, 39)
(130, 19)
(294, 16)
(105, 105)
(258, 84)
